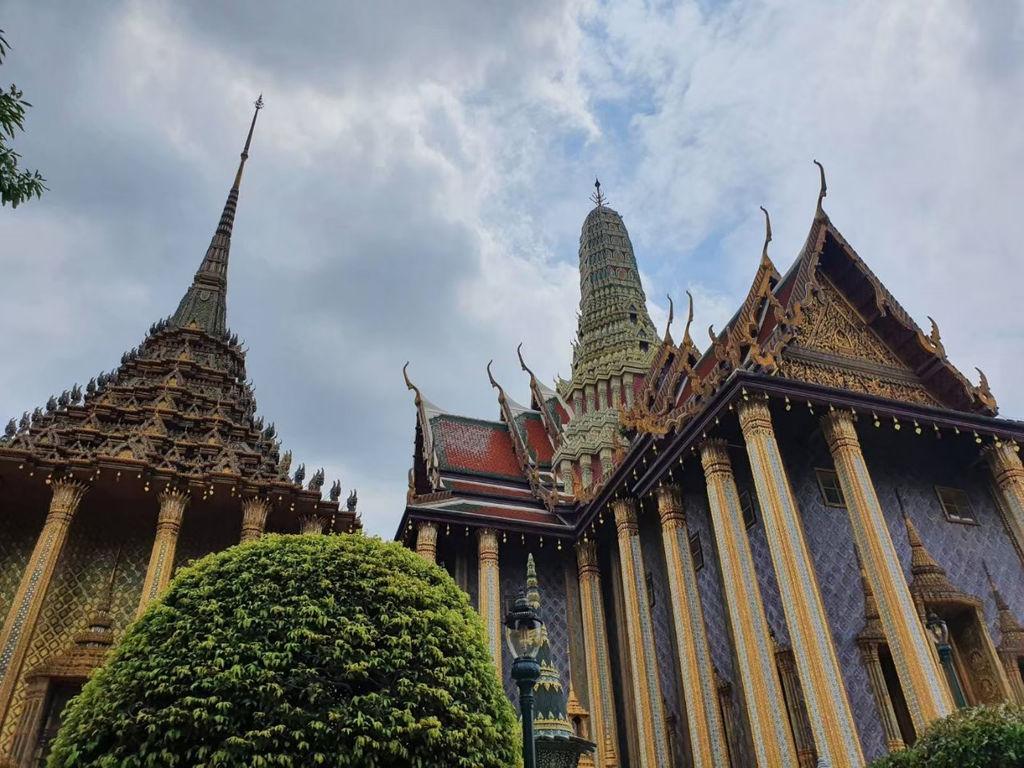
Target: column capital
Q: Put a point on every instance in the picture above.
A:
(755, 415)
(254, 517)
(487, 543)
(625, 516)
(670, 506)
(586, 558)
(426, 540)
(714, 455)
(839, 430)
(1003, 459)
(172, 508)
(311, 523)
(67, 495)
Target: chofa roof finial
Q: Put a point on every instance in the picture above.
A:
(409, 385)
(823, 190)
(687, 341)
(598, 197)
(767, 233)
(671, 317)
(522, 363)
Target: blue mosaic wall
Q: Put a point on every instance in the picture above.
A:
(709, 582)
(916, 464)
(551, 581)
(830, 540)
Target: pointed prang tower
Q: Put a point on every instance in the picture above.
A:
(615, 343)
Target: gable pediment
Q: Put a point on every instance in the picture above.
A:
(836, 347)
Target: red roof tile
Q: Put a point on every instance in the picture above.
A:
(475, 446)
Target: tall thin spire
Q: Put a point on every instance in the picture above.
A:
(204, 305)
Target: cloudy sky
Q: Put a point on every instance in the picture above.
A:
(421, 170)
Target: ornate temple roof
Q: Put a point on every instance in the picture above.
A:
(178, 407)
(828, 322)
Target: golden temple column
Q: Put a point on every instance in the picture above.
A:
(35, 581)
(254, 518)
(161, 558)
(595, 643)
(490, 592)
(1008, 473)
(707, 735)
(311, 523)
(762, 692)
(828, 708)
(426, 540)
(650, 713)
(914, 656)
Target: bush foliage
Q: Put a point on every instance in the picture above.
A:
(298, 651)
(980, 737)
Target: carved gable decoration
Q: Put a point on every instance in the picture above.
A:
(835, 347)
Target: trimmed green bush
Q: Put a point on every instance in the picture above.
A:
(298, 651)
(979, 737)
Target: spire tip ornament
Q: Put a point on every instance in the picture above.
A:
(598, 198)
(823, 189)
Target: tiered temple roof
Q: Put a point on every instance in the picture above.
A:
(179, 408)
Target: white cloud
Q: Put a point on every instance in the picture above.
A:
(419, 178)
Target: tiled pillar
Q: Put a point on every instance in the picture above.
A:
(254, 518)
(650, 714)
(566, 472)
(161, 558)
(627, 386)
(828, 707)
(490, 592)
(924, 688)
(606, 463)
(590, 396)
(763, 699)
(1008, 473)
(311, 523)
(707, 735)
(426, 540)
(595, 643)
(35, 581)
(601, 387)
(587, 470)
(616, 392)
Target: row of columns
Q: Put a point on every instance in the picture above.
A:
(66, 497)
(829, 715)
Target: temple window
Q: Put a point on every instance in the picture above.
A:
(696, 551)
(828, 484)
(748, 506)
(955, 504)
(632, 315)
(644, 346)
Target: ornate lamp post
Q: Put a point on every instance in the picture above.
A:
(524, 632)
(940, 635)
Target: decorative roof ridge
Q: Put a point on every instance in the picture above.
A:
(204, 305)
(525, 454)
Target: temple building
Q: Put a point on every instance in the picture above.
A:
(797, 546)
(111, 487)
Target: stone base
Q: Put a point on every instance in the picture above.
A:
(562, 753)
